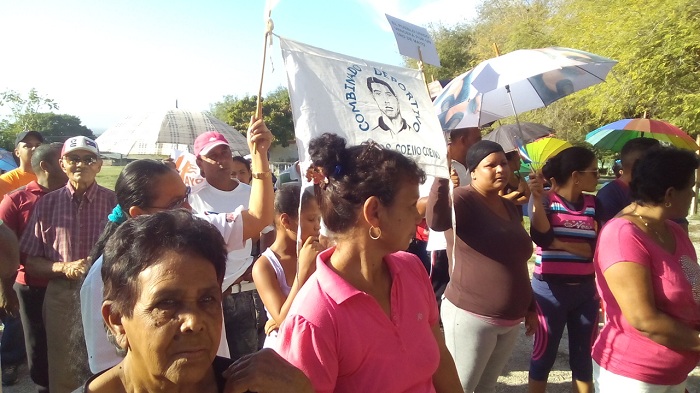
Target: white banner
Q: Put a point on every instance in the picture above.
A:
(361, 100)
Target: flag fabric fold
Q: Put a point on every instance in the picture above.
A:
(362, 100)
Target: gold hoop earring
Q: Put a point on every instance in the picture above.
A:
(375, 237)
(668, 204)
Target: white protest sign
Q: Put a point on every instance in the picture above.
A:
(362, 100)
(411, 38)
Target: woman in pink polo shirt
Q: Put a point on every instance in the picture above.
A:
(649, 280)
(367, 319)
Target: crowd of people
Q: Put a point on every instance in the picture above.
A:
(243, 284)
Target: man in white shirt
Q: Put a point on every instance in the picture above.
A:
(244, 314)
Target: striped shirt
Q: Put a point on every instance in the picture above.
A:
(573, 226)
(63, 228)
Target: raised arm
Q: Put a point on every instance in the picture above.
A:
(262, 195)
(276, 303)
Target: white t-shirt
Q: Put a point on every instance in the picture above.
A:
(207, 200)
(101, 353)
(436, 240)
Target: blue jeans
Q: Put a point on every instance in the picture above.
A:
(244, 321)
(12, 344)
(562, 305)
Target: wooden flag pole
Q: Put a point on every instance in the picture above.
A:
(495, 49)
(268, 35)
(422, 70)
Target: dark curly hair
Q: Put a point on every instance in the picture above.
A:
(356, 173)
(141, 241)
(660, 169)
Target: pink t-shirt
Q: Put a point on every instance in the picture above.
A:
(344, 342)
(622, 349)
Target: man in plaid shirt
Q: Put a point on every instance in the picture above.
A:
(63, 227)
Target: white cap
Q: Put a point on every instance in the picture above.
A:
(80, 143)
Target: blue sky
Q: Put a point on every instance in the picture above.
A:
(104, 60)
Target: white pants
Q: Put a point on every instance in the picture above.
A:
(480, 349)
(607, 382)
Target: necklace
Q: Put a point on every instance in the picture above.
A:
(646, 224)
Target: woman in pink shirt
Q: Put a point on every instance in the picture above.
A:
(367, 319)
(649, 279)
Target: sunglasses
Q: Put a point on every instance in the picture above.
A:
(596, 171)
(178, 203)
(74, 160)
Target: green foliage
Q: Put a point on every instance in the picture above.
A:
(277, 113)
(453, 45)
(27, 115)
(58, 128)
(25, 110)
(657, 45)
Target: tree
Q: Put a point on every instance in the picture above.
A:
(277, 112)
(453, 45)
(25, 110)
(58, 128)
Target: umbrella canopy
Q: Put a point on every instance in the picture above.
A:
(509, 136)
(161, 133)
(7, 160)
(538, 152)
(614, 135)
(517, 82)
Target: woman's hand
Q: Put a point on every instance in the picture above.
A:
(307, 257)
(536, 185)
(270, 326)
(454, 177)
(531, 323)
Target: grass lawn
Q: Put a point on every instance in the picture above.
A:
(108, 176)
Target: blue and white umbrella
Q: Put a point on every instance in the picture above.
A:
(7, 160)
(517, 82)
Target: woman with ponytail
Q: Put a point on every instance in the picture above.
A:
(367, 319)
(564, 226)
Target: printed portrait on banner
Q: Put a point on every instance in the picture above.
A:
(360, 101)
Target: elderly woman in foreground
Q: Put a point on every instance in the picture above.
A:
(162, 275)
(649, 280)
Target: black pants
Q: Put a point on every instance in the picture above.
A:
(417, 248)
(439, 274)
(244, 321)
(31, 302)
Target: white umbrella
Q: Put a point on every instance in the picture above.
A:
(161, 133)
(517, 82)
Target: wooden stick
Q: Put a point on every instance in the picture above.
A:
(495, 49)
(258, 106)
(422, 70)
(268, 32)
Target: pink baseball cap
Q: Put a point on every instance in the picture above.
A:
(207, 141)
